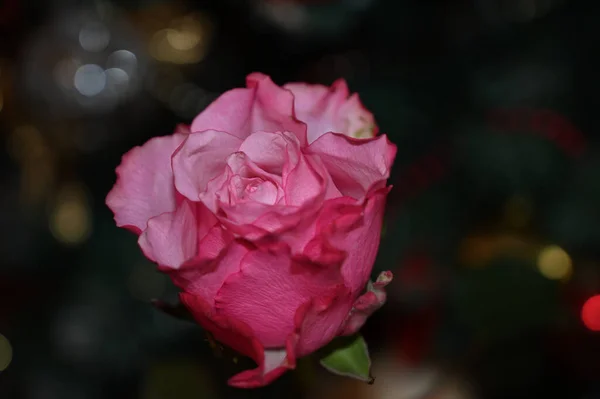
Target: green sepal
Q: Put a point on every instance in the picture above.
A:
(349, 357)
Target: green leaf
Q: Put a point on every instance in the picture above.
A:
(349, 357)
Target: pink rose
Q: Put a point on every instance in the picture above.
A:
(266, 212)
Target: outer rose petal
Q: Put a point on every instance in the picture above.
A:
(272, 363)
(189, 235)
(342, 224)
(367, 303)
(319, 320)
(269, 289)
(360, 259)
(205, 276)
(263, 106)
(356, 166)
(325, 109)
(172, 237)
(144, 187)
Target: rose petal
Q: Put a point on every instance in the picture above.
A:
(275, 106)
(205, 276)
(263, 106)
(236, 211)
(171, 238)
(253, 189)
(183, 128)
(360, 258)
(357, 120)
(325, 109)
(144, 186)
(201, 158)
(303, 184)
(366, 304)
(307, 184)
(320, 320)
(270, 277)
(268, 150)
(271, 366)
(272, 363)
(356, 166)
(331, 191)
(342, 223)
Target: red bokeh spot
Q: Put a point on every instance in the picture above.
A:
(590, 313)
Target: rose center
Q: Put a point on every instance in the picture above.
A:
(254, 189)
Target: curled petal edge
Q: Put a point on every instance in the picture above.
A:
(366, 304)
(271, 363)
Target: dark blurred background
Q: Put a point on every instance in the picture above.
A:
(492, 230)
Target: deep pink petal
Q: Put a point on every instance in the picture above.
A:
(237, 335)
(359, 261)
(328, 109)
(183, 128)
(200, 159)
(220, 257)
(366, 304)
(356, 166)
(342, 223)
(269, 277)
(144, 187)
(230, 332)
(320, 320)
(271, 366)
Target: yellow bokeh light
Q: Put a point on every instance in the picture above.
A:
(70, 221)
(184, 42)
(6, 353)
(183, 39)
(554, 263)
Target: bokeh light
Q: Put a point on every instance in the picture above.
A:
(185, 42)
(94, 37)
(590, 313)
(480, 299)
(70, 220)
(90, 80)
(554, 263)
(6, 353)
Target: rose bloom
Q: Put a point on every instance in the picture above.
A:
(266, 212)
